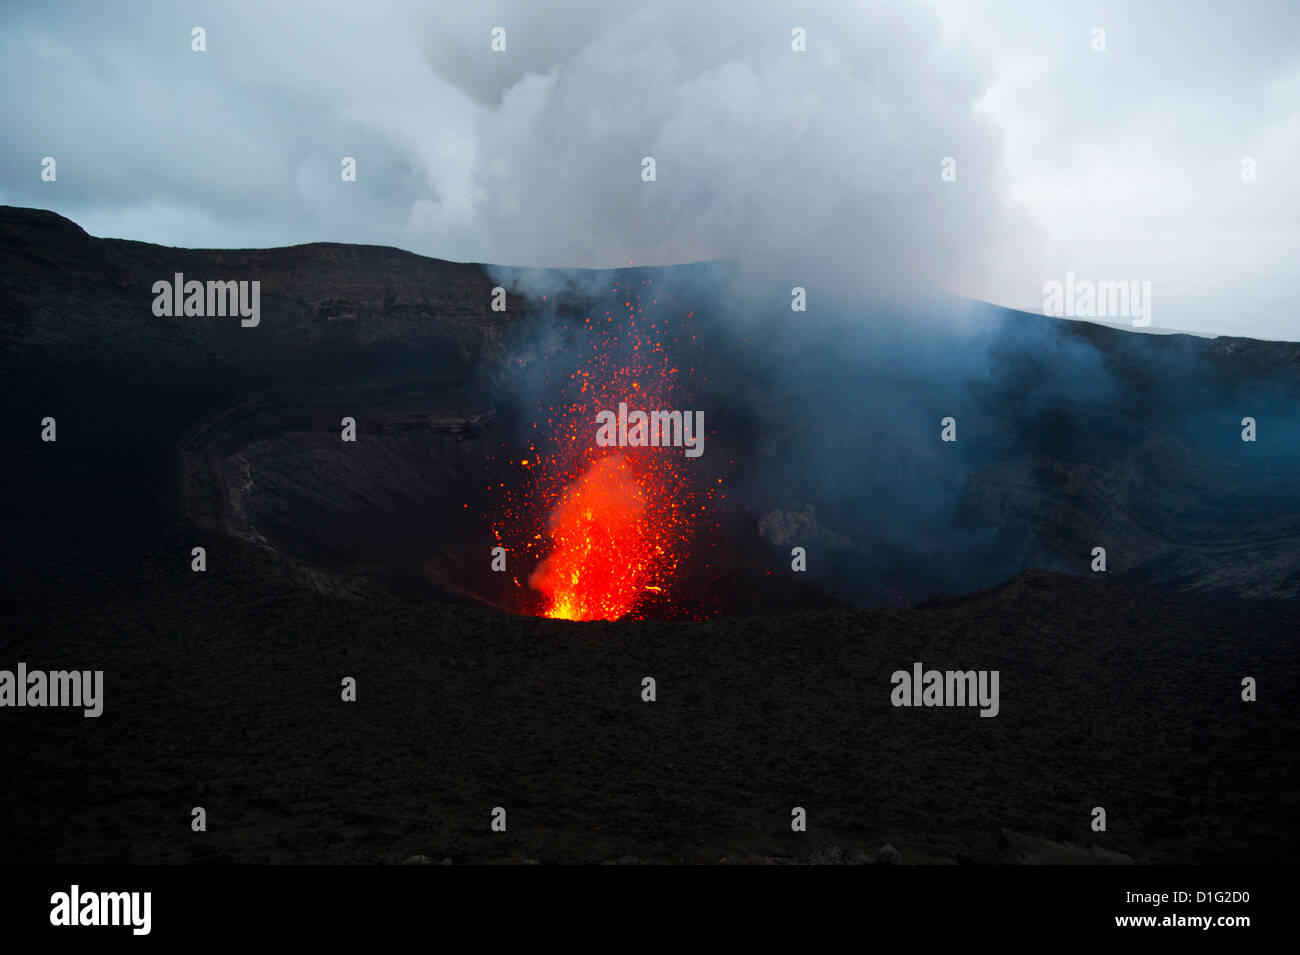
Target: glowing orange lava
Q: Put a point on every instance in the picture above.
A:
(604, 550)
(607, 529)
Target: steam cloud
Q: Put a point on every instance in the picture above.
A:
(819, 168)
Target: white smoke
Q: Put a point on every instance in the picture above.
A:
(817, 168)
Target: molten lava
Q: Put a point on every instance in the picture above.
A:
(608, 529)
(604, 551)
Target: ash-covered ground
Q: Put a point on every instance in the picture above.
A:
(223, 691)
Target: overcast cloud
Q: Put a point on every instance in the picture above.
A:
(819, 168)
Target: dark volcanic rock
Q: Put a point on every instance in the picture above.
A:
(1074, 436)
(1019, 849)
(222, 688)
(224, 692)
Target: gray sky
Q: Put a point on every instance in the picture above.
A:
(819, 168)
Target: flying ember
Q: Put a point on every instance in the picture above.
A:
(608, 526)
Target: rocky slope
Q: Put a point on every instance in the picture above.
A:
(1071, 436)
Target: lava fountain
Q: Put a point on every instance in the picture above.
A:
(607, 527)
(604, 552)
